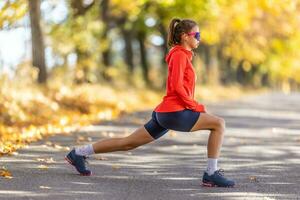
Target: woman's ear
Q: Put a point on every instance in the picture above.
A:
(184, 36)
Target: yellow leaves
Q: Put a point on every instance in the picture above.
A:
(5, 173)
(277, 45)
(166, 3)
(243, 15)
(105, 115)
(7, 147)
(43, 163)
(264, 33)
(29, 113)
(43, 167)
(46, 160)
(241, 23)
(12, 11)
(246, 66)
(94, 26)
(63, 121)
(272, 7)
(210, 35)
(131, 8)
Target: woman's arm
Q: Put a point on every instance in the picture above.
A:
(179, 60)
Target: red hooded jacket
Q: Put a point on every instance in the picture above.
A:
(181, 83)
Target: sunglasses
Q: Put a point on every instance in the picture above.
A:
(196, 35)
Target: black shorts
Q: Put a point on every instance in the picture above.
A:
(162, 122)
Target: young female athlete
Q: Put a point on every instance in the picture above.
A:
(178, 110)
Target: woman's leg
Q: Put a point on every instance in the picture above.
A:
(217, 127)
(137, 138)
(77, 156)
(212, 177)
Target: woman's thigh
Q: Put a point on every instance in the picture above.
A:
(178, 120)
(207, 122)
(139, 137)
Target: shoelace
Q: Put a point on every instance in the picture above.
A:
(221, 172)
(85, 159)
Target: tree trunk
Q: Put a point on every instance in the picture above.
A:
(240, 74)
(127, 36)
(106, 53)
(38, 49)
(79, 8)
(144, 61)
(228, 72)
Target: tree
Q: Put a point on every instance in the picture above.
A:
(106, 18)
(38, 49)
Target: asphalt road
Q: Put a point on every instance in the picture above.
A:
(261, 152)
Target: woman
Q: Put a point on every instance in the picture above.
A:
(178, 111)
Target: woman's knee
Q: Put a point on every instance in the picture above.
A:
(220, 124)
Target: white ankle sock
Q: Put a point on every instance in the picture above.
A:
(212, 166)
(84, 150)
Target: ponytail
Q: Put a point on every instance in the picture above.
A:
(172, 40)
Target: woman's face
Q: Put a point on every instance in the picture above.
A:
(190, 38)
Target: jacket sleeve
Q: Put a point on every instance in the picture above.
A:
(179, 64)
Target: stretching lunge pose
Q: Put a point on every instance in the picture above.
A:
(178, 110)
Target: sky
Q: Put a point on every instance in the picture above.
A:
(15, 44)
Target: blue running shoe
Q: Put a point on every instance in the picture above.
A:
(79, 162)
(216, 180)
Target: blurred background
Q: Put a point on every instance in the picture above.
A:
(66, 63)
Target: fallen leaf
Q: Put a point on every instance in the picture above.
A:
(45, 187)
(253, 179)
(100, 158)
(115, 167)
(48, 143)
(49, 160)
(66, 148)
(40, 159)
(46, 160)
(5, 173)
(43, 167)
(13, 153)
(56, 146)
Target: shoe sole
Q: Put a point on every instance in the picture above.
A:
(71, 163)
(214, 185)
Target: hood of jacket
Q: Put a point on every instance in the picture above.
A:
(177, 48)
